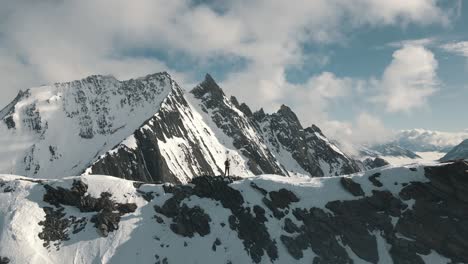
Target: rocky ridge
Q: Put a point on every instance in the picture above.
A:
(412, 214)
(149, 129)
(192, 134)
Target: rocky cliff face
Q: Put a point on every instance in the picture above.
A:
(411, 214)
(234, 123)
(149, 129)
(302, 150)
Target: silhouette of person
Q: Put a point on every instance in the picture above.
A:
(227, 164)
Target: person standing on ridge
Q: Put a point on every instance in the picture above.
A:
(227, 164)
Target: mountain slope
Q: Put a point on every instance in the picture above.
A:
(412, 214)
(458, 152)
(175, 145)
(302, 150)
(60, 129)
(149, 129)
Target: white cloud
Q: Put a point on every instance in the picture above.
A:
(423, 137)
(63, 40)
(365, 129)
(397, 11)
(409, 80)
(458, 48)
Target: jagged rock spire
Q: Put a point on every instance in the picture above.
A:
(208, 85)
(287, 113)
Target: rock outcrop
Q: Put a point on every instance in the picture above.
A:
(372, 163)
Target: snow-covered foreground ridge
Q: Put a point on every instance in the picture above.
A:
(411, 214)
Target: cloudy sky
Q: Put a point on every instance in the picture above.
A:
(357, 68)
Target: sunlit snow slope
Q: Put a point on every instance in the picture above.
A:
(60, 129)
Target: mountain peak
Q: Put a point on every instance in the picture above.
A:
(208, 85)
(209, 78)
(286, 112)
(315, 128)
(259, 114)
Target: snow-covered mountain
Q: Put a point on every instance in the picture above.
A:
(60, 129)
(415, 145)
(458, 152)
(421, 140)
(388, 149)
(410, 214)
(149, 129)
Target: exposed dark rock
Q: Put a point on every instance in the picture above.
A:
(450, 178)
(189, 221)
(289, 226)
(351, 186)
(106, 221)
(279, 200)
(216, 243)
(6, 114)
(234, 101)
(282, 198)
(259, 115)
(6, 187)
(295, 245)
(374, 178)
(250, 229)
(260, 159)
(148, 196)
(145, 163)
(352, 221)
(138, 184)
(246, 110)
(439, 215)
(56, 226)
(10, 122)
(261, 190)
(308, 146)
(377, 162)
(4, 260)
(57, 223)
(316, 233)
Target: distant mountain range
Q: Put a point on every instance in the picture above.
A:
(149, 129)
(421, 140)
(415, 145)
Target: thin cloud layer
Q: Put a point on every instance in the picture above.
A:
(458, 48)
